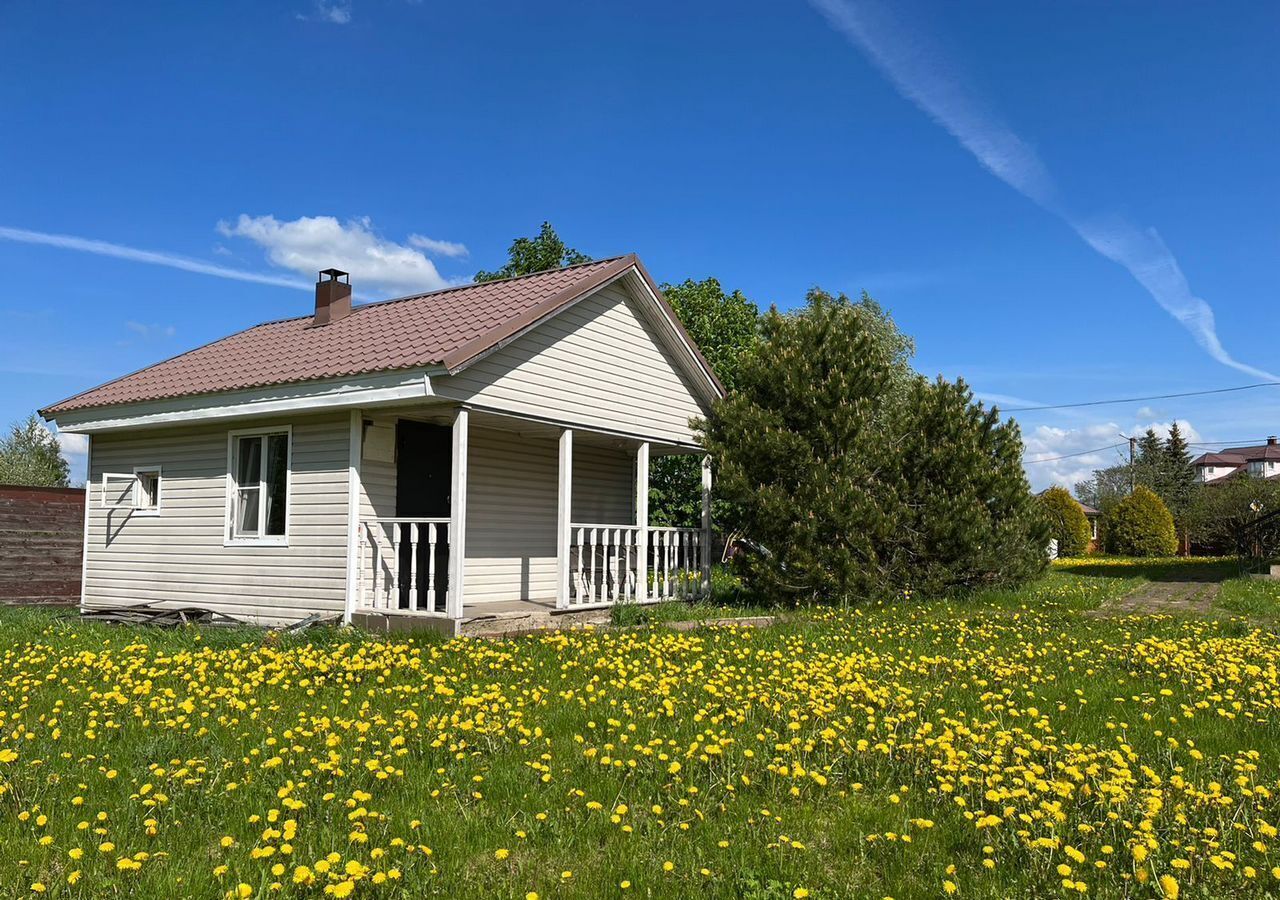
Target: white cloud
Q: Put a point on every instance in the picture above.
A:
(142, 329)
(337, 12)
(73, 444)
(151, 257)
(1085, 448)
(311, 243)
(922, 75)
(75, 450)
(439, 248)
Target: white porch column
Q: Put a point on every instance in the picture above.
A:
(354, 557)
(642, 522)
(706, 525)
(564, 514)
(457, 516)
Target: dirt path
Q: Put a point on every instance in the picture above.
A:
(1164, 597)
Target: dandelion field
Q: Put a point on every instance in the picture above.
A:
(998, 746)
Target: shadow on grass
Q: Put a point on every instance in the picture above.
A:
(1199, 569)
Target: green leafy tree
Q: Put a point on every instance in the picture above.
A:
(857, 477)
(30, 455)
(1067, 521)
(1105, 488)
(536, 254)
(1140, 525)
(1219, 514)
(725, 327)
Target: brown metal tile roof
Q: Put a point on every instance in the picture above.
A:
(443, 328)
(1219, 459)
(1255, 453)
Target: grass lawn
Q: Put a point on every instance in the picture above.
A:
(997, 745)
(1251, 597)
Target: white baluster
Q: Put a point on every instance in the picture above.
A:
(689, 560)
(360, 567)
(380, 566)
(681, 546)
(431, 567)
(413, 566)
(576, 593)
(626, 566)
(593, 576)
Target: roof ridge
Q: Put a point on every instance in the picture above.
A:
(476, 284)
(444, 290)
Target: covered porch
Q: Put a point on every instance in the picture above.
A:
(464, 514)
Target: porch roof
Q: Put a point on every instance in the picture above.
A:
(447, 328)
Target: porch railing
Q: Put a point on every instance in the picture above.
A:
(604, 564)
(404, 565)
(676, 563)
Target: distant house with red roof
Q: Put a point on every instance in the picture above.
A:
(1260, 461)
(466, 453)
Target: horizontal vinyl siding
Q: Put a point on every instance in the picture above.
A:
(598, 364)
(378, 480)
(178, 557)
(512, 492)
(604, 485)
(512, 485)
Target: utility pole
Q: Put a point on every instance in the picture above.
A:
(1133, 461)
(1133, 464)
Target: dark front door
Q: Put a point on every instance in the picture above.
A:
(424, 478)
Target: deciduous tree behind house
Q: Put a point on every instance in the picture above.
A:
(543, 251)
(30, 455)
(725, 326)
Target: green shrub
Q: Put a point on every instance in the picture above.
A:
(859, 478)
(1067, 520)
(1141, 525)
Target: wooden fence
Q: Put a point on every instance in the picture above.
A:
(41, 544)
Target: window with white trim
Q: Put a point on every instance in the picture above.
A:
(146, 490)
(259, 486)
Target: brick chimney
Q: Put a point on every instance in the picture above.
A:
(1271, 441)
(333, 297)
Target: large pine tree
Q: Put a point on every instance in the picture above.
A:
(857, 477)
(1177, 477)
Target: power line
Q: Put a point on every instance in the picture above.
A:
(1032, 462)
(1243, 387)
(1241, 442)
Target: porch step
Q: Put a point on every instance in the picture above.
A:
(504, 623)
(512, 623)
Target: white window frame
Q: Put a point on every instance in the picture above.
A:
(229, 537)
(138, 508)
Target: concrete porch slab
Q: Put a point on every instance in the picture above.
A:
(503, 618)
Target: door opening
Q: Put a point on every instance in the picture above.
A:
(424, 479)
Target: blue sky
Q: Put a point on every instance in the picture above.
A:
(1052, 198)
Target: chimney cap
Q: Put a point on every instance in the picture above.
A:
(1271, 439)
(334, 275)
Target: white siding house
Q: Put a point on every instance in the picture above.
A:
(1260, 461)
(436, 457)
